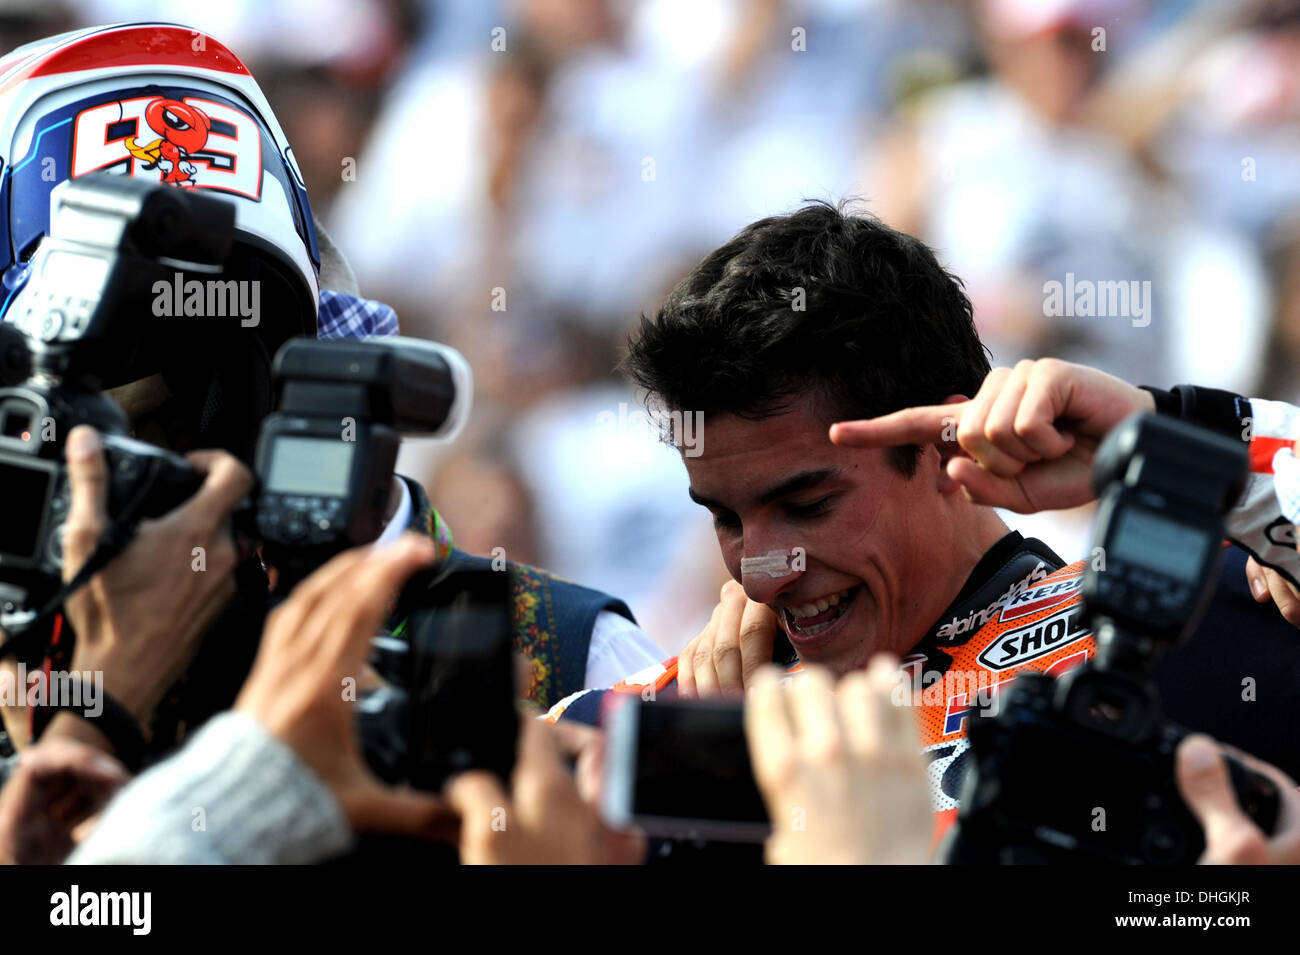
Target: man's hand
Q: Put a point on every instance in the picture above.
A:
(1267, 584)
(543, 820)
(840, 768)
(1230, 837)
(736, 642)
(1024, 442)
(311, 659)
(57, 785)
(139, 621)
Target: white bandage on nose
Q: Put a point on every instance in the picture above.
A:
(775, 563)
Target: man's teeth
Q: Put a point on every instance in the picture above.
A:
(818, 606)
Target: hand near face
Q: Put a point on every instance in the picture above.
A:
(1024, 442)
(737, 641)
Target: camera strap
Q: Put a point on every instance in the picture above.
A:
(25, 635)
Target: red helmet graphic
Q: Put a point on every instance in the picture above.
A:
(186, 126)
(184, 131)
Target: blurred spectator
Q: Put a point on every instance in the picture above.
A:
(23, 21)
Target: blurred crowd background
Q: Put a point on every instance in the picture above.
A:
(524, 178)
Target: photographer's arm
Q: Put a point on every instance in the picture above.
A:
(139, 621)
(282, 778)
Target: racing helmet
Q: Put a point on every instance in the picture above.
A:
(171, 105)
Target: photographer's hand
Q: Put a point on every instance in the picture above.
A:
(139, 621)
(724, 656)
(57, 785)
(1024, 442)
(1267, 584)
(1231, 838)
(543, 820)
(312, 656)
(840, 768)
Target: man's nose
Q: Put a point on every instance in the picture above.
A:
(765, 576)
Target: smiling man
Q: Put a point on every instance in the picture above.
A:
(879, 543)
(849, 538)
(801, 321)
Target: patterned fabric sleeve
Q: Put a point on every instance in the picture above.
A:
(346, 316)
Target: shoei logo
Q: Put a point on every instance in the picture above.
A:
(1037, 639)
(190, 143)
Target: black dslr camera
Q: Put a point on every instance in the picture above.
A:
(81, 323)
(325, 458)
(1081, 769)
(325, 463)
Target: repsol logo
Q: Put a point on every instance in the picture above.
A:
(1034, 640)
(1031, 601)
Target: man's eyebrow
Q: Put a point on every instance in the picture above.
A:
(800, 482)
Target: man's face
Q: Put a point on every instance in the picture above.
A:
(873, 541)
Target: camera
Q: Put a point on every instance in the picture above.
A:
(324, 468)
(81, 321)
(325, 457)
(449, 703)
(325, 462)
(680, 769)
(1081, 769)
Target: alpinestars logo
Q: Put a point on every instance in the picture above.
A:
(959, 626)
(1034, 640)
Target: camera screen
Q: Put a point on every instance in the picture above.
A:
(310, 466)
(693, 763)
(1158, 543)
(22, 521)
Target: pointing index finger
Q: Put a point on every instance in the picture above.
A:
(932, 424)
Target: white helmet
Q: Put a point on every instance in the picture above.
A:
(161, 102)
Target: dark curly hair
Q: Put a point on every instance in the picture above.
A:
(822, 299)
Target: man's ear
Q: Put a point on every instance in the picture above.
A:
(948, 447)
